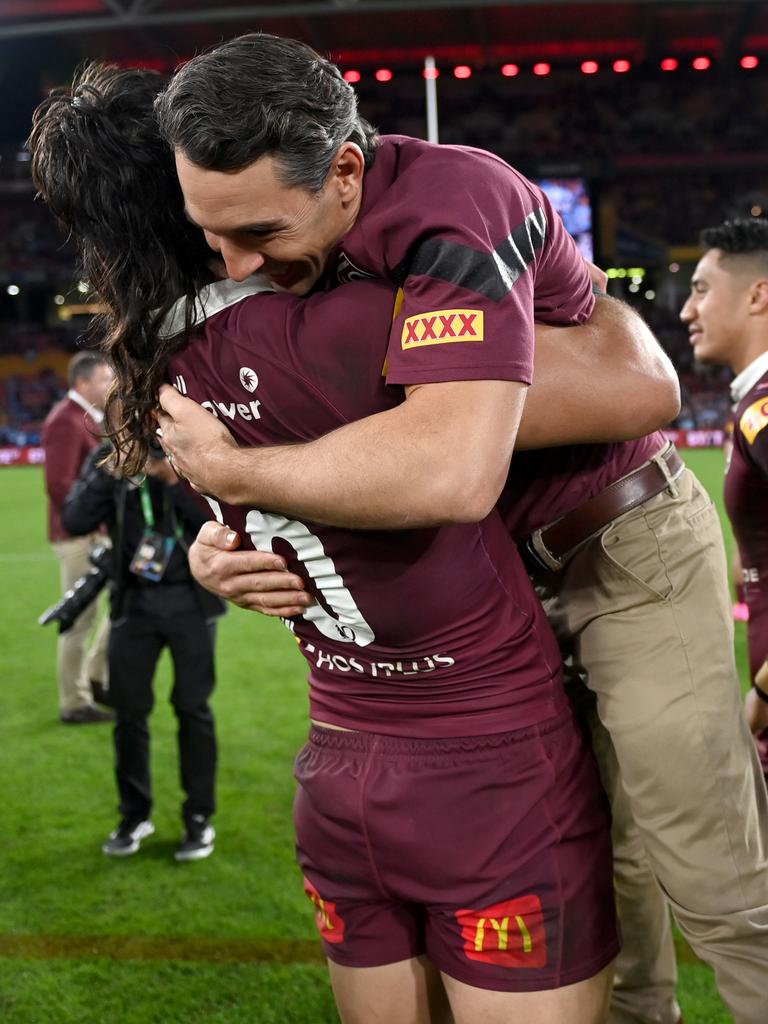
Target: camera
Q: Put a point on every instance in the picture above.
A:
(85, 590)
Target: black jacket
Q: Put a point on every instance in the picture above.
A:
(97, 497)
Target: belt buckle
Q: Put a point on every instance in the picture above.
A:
(541, 554)
(660, 460)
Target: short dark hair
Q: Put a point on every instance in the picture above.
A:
(739, 237)
(259, 95)
(82, 365)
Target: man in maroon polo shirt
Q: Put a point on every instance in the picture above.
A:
(727, 318)
(71, 431)
(465, 238)
(434, 635)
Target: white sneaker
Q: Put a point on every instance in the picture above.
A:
(127, 837)
(198, 842)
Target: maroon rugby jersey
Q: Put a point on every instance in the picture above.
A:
(430, 632)
(746, 501)
(479, 253)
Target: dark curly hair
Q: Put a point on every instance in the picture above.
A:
(740, 237)
(99, 163)
(260, 95)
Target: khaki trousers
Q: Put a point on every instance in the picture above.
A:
(644, 609)
(76, 664)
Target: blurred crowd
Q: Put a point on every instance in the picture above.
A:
(639, 139)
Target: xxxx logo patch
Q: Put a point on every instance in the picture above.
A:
(508, 934)
(442, 327)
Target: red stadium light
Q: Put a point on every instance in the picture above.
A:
(621, 66)
(431, 72)
(462, 71)
(669, 64)
(701, 63)
(510, 70)
(749, 62)
(590, 67)
(352, 76)
(383, 75)
(542, 68)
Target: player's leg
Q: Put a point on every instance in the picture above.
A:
(585, 1002)
(649, 600)
(408, 992)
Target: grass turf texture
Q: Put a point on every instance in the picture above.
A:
(226, 940)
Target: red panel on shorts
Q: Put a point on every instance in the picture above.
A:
(508, 934)
(329, 923)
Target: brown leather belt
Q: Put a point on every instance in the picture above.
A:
(550, 546)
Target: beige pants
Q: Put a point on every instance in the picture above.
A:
(77, 664)
(645, 609)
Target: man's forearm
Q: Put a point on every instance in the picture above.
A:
(420, 464)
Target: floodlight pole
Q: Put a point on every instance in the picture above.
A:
(430, 86)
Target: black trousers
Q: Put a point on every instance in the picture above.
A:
(135, 644)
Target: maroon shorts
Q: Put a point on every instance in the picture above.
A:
(490, 854)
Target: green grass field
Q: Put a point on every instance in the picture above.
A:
(229, 940)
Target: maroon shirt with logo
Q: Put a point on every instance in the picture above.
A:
(746, 501)
(480, 254)
(429, 632)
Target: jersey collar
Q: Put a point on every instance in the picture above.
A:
(212, 299)
(743, 383)
(96, 414)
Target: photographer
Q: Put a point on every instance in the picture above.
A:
(154, 603)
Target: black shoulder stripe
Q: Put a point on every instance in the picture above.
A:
(491, 274)
(457, 264)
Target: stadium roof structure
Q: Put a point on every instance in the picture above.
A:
(397, 31)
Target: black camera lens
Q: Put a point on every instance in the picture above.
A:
(86, 589)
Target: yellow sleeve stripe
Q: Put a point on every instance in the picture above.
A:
(754, 419)
(399, 300)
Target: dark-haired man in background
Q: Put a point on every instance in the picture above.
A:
(727, 318)
(71, 431)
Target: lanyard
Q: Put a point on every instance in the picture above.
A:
(148, 511)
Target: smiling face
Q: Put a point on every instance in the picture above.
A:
(717, 311)
(260, 225)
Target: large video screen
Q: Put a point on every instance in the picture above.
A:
(570, 197)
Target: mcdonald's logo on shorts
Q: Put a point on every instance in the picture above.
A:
(442, 327)
(508, 934)
(329, 923)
